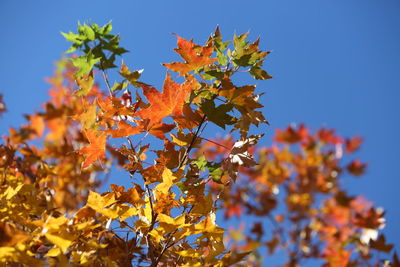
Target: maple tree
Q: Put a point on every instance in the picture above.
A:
(182, 185)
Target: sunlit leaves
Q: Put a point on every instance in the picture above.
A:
(220, 46)
(107, 206)
(93, 41)
(289, 195)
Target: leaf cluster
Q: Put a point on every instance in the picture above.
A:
(177, 182)
(98, 45)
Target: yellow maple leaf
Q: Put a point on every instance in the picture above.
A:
(168, 180)
(63, 240)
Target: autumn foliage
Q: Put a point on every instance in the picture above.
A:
(188, 198)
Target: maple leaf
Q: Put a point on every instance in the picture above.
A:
(353, 144)
(88, 115)
(356, 167)
(37, 124)
(57, 127)
(372, 219)
(182, 139)
(290, 135)
(381, 245)
(245, 101)
(169, 102)
(62, 240)
(337, 257)
(190, 119)
(124, 129)
(132, 196)
(239, 155)
(171, 227)
(115, 109)
(168, 180)
(106, 205)
(218, 115)
(95, 150)
(85, 84)
(195, 56)
(132, 77)
(328, 136)
(158, 129)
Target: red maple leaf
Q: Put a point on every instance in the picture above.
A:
(353, 144)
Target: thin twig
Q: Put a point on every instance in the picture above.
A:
(127, 225)
(141, 140)
(189, 148)
(222, 100)
(130, 143)
(277, 228)
(105, 77)
(211, 141)
(167, 244)
(153, 221)
(165, 247)
(153, 214)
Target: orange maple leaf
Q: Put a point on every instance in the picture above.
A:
(124, 129)
(37, 124)
(195, 56)
(160, 129)
(169, 102)
(95, 150)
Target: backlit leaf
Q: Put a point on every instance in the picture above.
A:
(169, 102)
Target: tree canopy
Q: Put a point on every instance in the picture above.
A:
(185, 188)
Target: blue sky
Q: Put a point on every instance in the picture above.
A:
(335, 64)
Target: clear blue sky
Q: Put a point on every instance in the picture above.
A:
(336, 64)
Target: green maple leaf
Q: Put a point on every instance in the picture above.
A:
(218, 115)
(84, 63)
